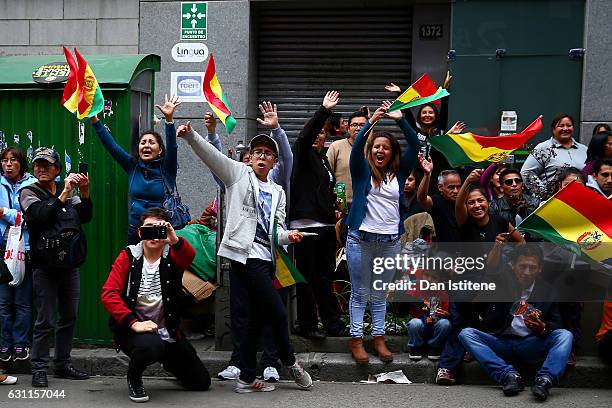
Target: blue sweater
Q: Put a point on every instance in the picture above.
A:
(9, 199)
(146, 187)
(361, 174)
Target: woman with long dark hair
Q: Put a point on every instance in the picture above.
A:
(376, 221)
(600, 147)
(150, 169)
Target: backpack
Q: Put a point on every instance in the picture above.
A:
(61, 244)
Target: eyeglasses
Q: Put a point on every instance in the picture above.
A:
(261, 153)
(357, 125)
(11, 160)
(510, 182)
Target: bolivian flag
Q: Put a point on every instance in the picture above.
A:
(576, 218)
(468, 148)
(287, 273)
(215, 98)
(82, 94)
(423, 91)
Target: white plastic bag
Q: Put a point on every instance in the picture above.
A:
(14, 255)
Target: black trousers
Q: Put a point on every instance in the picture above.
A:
(178, 358)
(605, 348)
(253, 282)
(315, 257)
(238, 320)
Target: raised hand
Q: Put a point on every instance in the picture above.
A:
(392, 88)
(210, 122)
(270, 115)
(182, 129)
(426, 164)
(447, 80)
(474, 176)
(458, 127)
(331, 99)
(395, 115)
(378, 114)
(169, 106)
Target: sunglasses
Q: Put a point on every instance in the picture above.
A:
(510, 182)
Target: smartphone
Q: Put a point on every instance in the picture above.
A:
(83, 168)
(148, 232)
(309, 234)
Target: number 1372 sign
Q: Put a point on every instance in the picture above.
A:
(193, 20)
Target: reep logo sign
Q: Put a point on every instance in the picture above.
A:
(190, 52)
(188, 86)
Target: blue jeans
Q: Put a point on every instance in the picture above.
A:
(361, 250)
(434, 334)
(490, 351)
(16, 311)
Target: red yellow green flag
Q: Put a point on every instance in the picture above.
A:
(287, 273)
(82, 94)
(423, 91)
(576, 218)
(70, 97)
(215, 98)
(91, 101)
(468, 148)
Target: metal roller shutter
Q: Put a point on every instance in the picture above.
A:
(303, 51)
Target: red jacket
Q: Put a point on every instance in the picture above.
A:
(114, 291)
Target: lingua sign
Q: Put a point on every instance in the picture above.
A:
(190, 52)
(193, 20)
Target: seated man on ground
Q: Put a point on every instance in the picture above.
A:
(520, 330)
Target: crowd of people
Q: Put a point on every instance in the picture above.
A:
(278, 194)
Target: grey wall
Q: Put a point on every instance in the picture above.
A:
(597, 81)
(228, 25)
(96, 26)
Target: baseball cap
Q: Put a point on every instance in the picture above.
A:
(264, 140)
(46, 153)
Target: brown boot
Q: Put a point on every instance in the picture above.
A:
(381, 349)
(357, 351)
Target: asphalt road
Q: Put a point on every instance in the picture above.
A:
(112, 392)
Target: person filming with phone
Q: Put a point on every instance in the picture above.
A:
(142, 296)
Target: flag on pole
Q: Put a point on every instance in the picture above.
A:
(215, 98)
(82, 94)
(575, 218)
(286, 273)
(423, 91)
(468, 148)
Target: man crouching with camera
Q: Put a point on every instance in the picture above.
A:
(142, 295)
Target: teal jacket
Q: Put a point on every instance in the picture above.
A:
(9, 199)
(361, 174)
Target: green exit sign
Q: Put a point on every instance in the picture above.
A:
(193, 20)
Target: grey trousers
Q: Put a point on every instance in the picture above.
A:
(61, 288)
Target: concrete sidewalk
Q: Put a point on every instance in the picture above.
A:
(590, 372)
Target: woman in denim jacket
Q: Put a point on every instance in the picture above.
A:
(375, 221)
(146, 171)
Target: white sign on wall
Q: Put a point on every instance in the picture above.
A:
(190, 52)
(188, 86)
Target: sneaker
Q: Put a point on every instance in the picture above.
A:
(415, 353)
(8, 379)
(445, 377)
(270, 374)
(136, 389)
(512, 384)
(70, 373)
(39, 379)
(434, 353)
(5, 354)
(230, 373)
(541, 388)
(301, 376)
(21, 353)
(256, 386)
